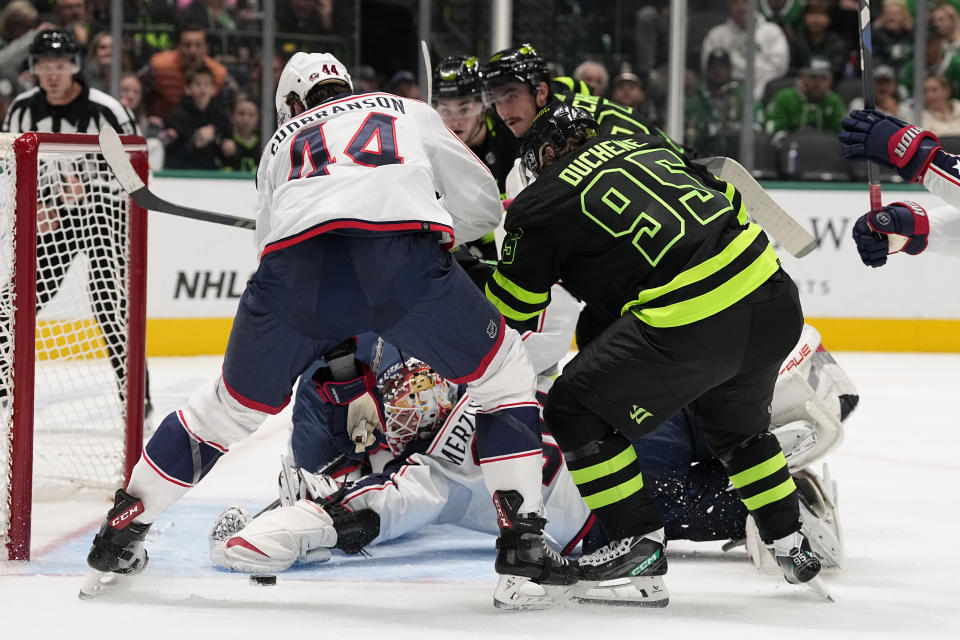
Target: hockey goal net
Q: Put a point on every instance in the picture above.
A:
(72, 316)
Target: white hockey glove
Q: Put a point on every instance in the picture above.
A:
(276, 539)
(298, 484)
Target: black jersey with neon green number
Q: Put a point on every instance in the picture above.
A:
(614, 119)
(630, 226)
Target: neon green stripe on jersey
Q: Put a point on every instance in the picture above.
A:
(703, 270)
(704, 306)
(509, 311)
(730, 192)
(518, 292)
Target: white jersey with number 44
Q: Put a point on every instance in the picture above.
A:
(371, 162)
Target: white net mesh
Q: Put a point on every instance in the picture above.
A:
(81, 334)
(8, 172)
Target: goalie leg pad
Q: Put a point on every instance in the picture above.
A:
(276, 539)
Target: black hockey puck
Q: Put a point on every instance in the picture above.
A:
(263, 580)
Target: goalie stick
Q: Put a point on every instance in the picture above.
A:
(116, 157)
(761, 207)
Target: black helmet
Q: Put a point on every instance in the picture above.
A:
(521, 63)
(54, 43)
(554, 126)
(457, 77)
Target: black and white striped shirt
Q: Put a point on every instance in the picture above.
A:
(87, 113)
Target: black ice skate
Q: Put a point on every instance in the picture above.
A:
(117, 551)
(528, 567)
(799, 564)
(627, 571)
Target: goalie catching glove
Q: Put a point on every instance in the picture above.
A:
(872, 135)
(900, 226)
(355, 403)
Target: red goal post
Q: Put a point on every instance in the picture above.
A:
(72, 357)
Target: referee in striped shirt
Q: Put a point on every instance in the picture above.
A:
(78, 202)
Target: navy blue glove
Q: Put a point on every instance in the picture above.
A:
(354, 410)
(878, 233)
(888, 141)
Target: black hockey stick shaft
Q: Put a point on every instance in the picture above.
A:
(116, 157)
(869, 99)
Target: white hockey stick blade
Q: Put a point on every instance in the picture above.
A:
(762, 208)
(126, 175)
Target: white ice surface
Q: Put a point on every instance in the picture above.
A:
(898, 475)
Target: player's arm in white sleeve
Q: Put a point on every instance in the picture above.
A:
(557, 323)
(418, 494)
(466, 186)
(264, 197)
(944, 236)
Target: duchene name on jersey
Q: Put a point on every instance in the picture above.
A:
(594, 157)
(368, 102)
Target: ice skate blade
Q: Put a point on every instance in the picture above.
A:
(98, 582)
(516, 593)
(817, 586)
(623, 592)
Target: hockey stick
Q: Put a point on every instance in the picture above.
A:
(425, 54)
(359, 434)
(761, 207)
(116, 157)
(869, 99)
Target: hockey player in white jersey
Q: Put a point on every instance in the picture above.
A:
(359, 196)
(917, 156)
(431, 476)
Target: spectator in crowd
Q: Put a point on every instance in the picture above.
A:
(716, 105)
(164, 77)
(305, 16)
(809, 105)
(365, 79)
(404, 83)
(940, 59)
(630, 90)
(245, 120)
(886, 95)
(786, 14)
(199, 129)
(155, 31)
(131, 96)
(71, 15)
(96, 68)
(946, 21)
(594, 75)
(941, 113)
(19, 23)
(772, 53)
(893, 37)
(815, 38)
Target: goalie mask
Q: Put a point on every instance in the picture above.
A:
(303, 72)
(556, 126)
(416, 402)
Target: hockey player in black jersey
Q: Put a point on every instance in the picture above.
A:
(458, 98)
(698, 313)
